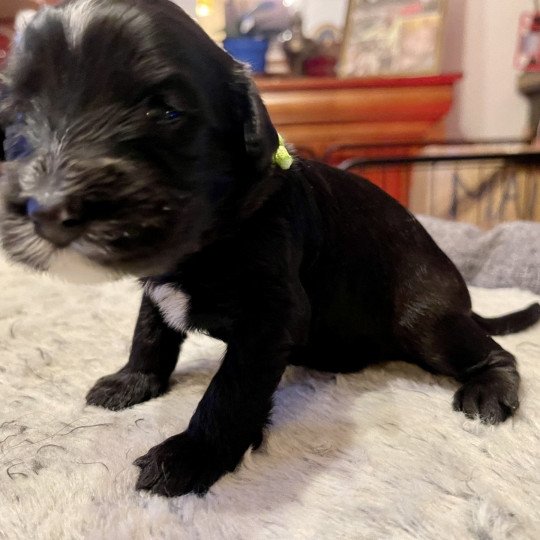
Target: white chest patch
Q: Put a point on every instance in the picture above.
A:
(172, 303)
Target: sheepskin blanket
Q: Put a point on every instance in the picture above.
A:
(378, 454)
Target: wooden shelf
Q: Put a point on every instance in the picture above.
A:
(269, 83)
(317, 113)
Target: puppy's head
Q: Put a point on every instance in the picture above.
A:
(134, 138)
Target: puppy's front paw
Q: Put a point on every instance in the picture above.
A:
(492, 396)
(124, 389)
(180, 465)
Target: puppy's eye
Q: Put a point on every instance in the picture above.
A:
(165, 116)
(162, 113)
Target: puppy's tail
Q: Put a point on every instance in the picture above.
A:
(508, 324)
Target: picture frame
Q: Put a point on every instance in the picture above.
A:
(392, 38)
(527, 56)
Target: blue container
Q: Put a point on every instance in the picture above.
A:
(249, 50)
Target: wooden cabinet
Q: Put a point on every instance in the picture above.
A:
(316, 114)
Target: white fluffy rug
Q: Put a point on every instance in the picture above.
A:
(379, 454)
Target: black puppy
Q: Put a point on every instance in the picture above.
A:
(149, 153)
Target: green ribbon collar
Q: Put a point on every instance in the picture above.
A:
(281, 156)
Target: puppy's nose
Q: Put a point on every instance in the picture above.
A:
(54, 222)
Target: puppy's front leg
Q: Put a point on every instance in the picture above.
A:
(230, 417)
(154, 353)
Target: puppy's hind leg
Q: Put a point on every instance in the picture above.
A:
(154, 353)
(455, 345)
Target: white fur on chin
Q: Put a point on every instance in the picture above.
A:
(75, 268)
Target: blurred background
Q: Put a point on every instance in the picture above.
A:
(479, 39)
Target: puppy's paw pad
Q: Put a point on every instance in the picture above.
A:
(178, 466)
(124, 389)
(492, 399)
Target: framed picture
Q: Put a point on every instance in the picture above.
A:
(527, 57)
(392, 38)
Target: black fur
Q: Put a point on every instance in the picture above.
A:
(310, 266)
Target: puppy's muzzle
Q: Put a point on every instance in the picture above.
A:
(54, 221)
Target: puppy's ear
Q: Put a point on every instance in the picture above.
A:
(260, 136)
